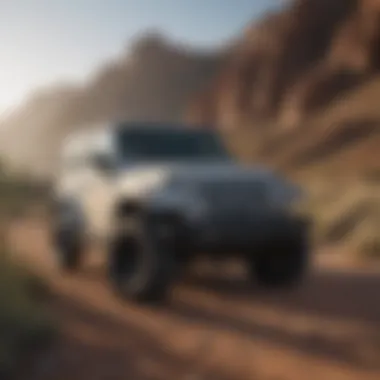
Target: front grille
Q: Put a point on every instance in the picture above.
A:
(234, 196)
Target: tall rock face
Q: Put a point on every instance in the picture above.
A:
(154, 81)
(294, 62)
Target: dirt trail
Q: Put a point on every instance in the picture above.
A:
(212, 328)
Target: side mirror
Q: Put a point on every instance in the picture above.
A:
(103, 162)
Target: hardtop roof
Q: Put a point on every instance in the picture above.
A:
(153, 125)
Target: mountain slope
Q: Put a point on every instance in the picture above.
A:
(296, 89)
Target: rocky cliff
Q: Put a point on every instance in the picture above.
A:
(290, 71)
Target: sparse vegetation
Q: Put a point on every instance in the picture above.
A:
(347, 212)
(25, 323)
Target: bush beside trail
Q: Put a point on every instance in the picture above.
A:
(346, 212)
(25, 321)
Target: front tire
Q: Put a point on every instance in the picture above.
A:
(280, 264)
(142, 265)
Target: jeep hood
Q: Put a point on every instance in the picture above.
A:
(138, 179)
(198, 172)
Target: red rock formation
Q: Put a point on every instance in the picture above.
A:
(295, 61)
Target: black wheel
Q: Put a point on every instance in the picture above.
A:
(67, 241)
(68, 251)
(280, 264)
(142, 265)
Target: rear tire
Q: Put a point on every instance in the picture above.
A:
(142, 265)
(67, 241)
(280, 264)
(68, 251)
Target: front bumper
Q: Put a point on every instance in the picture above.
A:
(227, 233)
(245, 234)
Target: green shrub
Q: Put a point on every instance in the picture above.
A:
(25, 323)
(371, 248)
(346, 213)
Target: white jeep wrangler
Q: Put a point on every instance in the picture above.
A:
(157, 195)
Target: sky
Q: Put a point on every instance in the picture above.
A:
(48, 41)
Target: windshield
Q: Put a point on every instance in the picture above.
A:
(163, 145)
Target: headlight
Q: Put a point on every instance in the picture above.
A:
(144, 182)
(151, 180)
